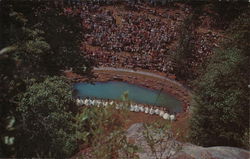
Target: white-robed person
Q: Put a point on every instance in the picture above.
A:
(89, 102)
(137, 108)
(132, 107)
(105, 104)
(85, 102)
(161, 112)
(141, 107)
(157, 111)
(81, 102)
(146, 110)
(151, 111)
(98, 103)
(95, 103)
(166, 116)
(118, 106)
(78, 102)
(172, 117)
(92, 102)
(111, 103)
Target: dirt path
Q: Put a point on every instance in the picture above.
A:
(142, 73)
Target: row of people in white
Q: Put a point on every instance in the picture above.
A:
(152, 111)
(90, 102)
(132, 107)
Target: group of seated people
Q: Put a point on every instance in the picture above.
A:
(133, 107)
(144, 38)
(137, 33)
(112, 59)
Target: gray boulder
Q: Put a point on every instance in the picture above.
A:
(176, 150)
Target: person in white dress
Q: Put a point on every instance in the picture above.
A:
(151, 111)
(156, 111)
(78, 102)
(98, 103)
(141, 108)
(86, 102)
(136, 108)
(81, 102)
(172, 117)
(118, 106)
(166, 116)
(111, 103)
(146, 110)
(132, 108)
(92, 102)
(105, 103)
(161, 112)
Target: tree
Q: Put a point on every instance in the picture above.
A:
(11, 82)
(46, 118)
(66, 53)
(220, 113)
(19, 59)
(27, 51)
(239, 33)
(160, 140)
(231, 7)
(185, 50)
(101, 129)
(47, 40)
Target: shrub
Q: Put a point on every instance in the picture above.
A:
(46, 120)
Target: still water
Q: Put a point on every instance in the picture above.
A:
(138, 94)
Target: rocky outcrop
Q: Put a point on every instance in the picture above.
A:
(164, 149)
(218, 152)
(176, 150)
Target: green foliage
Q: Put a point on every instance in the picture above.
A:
(36, 41)
(10, 85)
(124, 96)
(221, 108)
(232, 9)
(47, 43)
(246, 139)
(28, 46)
(239, 33)
(64, 53)
(12, 68)
(185, 49)
(101, 129)
(46, 120)
(160, 139)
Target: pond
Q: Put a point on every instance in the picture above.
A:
(114, 90)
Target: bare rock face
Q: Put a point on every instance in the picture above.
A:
(218, 152)
(164, 149)
(176, 150)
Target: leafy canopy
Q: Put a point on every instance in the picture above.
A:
(221, 108)
(46, 113)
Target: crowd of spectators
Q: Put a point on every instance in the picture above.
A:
(138, 40)
(143, 37)
(138, 34)
(204, 45)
